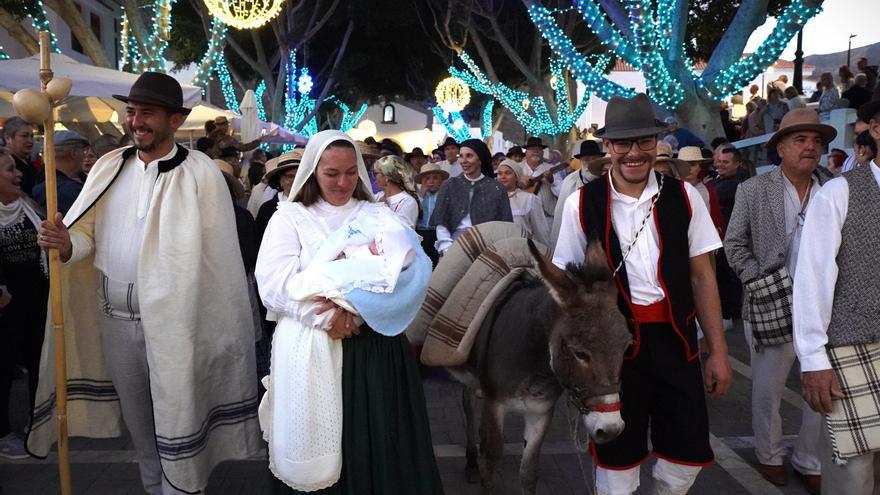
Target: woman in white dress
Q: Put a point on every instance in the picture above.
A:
(395, 179)
(526, 207)
(344, 411)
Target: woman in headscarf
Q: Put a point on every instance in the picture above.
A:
(23, 265)
(525, 207)
(344, 411)
(394, 177)
(470, 198)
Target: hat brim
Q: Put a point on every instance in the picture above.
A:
(595, 166)
(422, 175)
(599, 154)
(628, 133)
(149, 101)
(268, 176)
(867, 111)
(828, 133)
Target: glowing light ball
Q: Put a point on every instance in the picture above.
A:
(244, 14)
(452, 94)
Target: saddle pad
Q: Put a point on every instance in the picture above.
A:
(854, 422)
(451, 332)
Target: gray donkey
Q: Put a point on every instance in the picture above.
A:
(540, 341)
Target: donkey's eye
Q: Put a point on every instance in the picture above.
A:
(582, 356)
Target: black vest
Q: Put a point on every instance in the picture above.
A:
(672, 215)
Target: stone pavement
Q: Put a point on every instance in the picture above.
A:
(108, 467)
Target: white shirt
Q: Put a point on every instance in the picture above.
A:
(405, 206)
(816, 276)
(446, 238)
(626, 216)
(795, 211)
(572, 182)
(453, 169)
(119, 222)
(526, 210)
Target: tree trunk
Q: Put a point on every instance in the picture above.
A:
(92, 48)
(699, 113)
(18, 33)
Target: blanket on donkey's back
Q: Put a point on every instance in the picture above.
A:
(464, 287)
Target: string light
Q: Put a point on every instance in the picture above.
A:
(452, 94)
(226, 86)
(37, 12)
(213, 55)
(3, 54)
(648, 50)
(349, 119)
(530, 112)
(487, 118)
(244, 14)
(453, 123)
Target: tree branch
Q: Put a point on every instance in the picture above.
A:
(750, 15)
(484, 55)
(92, 48)
(135, 23)
(331, 79)
(18, 33)
(513, 55)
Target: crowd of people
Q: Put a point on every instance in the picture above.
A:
(187, 269)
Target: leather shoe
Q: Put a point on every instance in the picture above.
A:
(774, 474)
(813, 482)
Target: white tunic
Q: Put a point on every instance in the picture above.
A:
(406, 207)
(626, 216)
(816, 275)
(527, 213)
(453, 169)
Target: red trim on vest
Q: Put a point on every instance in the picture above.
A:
(652, 313)
(596, 461)
(687, 348)
(581, 211)
(685, 463)
(606, 408)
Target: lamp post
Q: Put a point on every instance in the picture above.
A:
(798, 76)
(849, 48)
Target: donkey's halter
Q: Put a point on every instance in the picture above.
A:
(641, 228)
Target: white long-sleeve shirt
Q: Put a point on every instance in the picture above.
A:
(626, 216)
(816, 276)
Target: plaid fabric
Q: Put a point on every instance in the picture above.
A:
(768, 308)
(854, 423)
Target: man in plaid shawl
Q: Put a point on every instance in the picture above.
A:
(762, 243)
(836, 331)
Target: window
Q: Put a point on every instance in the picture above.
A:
(388, 114)
(96, 25)
(74, 43)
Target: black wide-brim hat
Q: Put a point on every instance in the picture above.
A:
(589, 148)
(449, 142)
(627, 118)
(534, 142)
(155, 88)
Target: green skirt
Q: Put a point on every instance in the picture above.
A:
(386, 438)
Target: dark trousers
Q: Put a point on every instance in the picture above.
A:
(662, 393)
(22, 326)
(429, 237)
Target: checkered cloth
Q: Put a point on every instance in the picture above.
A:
(768, 308)
(854, 423)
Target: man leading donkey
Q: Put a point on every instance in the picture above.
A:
(658, 236)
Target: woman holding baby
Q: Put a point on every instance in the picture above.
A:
(344, 411)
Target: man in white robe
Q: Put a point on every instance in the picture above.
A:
(157, 318)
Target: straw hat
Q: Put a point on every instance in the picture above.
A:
(431, 168)
(280, 164)
(693, 154)
(801, 119)
(228, 174)
(366, 150)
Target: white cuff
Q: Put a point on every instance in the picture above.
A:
(815, 361)
(80, 247)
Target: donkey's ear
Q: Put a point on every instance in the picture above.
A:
(563, 289)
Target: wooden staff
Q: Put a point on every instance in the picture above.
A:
(55, 277)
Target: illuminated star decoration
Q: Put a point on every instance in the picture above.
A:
(244, 14)
(304, 83)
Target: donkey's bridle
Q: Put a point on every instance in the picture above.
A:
(577, 401)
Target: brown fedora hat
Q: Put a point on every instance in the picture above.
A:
(801, 119)
(155, 88)
(595, 166)
(627, 118)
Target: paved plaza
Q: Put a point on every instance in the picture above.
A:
(107, 467)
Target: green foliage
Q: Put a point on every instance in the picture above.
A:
(188, 40)
(706, 16)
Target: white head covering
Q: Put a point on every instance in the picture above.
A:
(314, 149)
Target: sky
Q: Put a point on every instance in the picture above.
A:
(829, 31)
